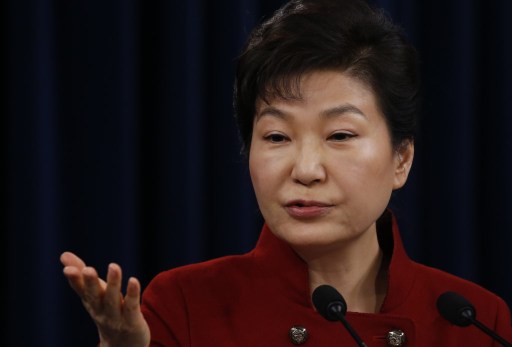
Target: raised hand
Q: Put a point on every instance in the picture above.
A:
(118, 318)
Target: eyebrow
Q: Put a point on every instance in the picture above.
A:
(328, 113)
(271, 111)
(341, 110)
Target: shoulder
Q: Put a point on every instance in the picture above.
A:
(209, 274)
(430, 283)
(434, 282)
(178, 297)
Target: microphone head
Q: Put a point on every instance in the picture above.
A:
(456, 309)
(329, 302)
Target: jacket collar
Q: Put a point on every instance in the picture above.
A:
(288, 273)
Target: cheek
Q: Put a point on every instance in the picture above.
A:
(268, 174)
(369, 170)
(259, 174)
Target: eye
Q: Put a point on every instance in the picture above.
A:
(276, 138)
(341, 136)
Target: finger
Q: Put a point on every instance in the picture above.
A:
(70, 259)
(131, 307)
(113, 297)
(75, 279)
(93, 290)
(73, 267)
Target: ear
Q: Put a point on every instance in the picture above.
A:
(403, 159)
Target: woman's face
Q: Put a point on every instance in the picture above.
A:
(322, 166)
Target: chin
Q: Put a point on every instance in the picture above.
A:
(312, 234)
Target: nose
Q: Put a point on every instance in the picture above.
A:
(308, 166)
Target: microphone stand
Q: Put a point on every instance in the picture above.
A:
(485, 329)
(352, 332)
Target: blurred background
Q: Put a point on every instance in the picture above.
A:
(119, 144)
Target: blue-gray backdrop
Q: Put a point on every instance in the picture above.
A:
(120, 145)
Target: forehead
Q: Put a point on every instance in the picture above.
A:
(328, 90)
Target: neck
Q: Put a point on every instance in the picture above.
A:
(356, 269)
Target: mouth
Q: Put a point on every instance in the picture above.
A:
(307, 209)
(307, 203)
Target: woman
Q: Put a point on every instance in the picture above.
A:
(326, 97)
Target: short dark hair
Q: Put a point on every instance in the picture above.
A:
(346, 35)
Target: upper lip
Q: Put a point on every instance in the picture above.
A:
(306, 203)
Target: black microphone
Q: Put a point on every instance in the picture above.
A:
(459, 311)
(331, 305)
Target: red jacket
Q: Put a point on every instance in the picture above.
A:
(256, 298)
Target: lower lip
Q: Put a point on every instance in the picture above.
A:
(308, 211)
